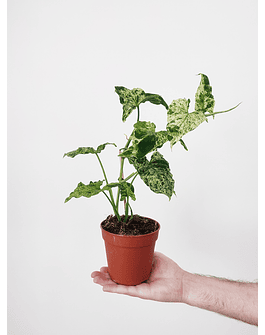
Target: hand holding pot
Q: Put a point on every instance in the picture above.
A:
(169, 283)
(164, 284)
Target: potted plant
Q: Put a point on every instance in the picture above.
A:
(130, 238)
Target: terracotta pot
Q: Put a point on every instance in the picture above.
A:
(129, 257)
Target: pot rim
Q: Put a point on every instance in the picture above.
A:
(133, 236)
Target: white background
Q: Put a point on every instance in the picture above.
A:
(64, 59)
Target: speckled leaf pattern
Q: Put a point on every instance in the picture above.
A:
(88, 150)
(155, 174)
(162, 137)
(127, 190)
(145, 139)
(131, 99)
(180, 121)
(82, 190)
(204, 100)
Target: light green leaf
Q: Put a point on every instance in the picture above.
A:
(131, 99)
(127, 190)
(204, 100)
(87, 191)
(162, 137)
(109, 186)
(155, 174)
(88, 150)
(180, 121)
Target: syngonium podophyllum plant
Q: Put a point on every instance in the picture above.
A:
(143, 140)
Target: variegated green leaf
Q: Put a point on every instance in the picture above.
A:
(87, 191)
(162, 137)
(155, 174)
(145, 139)
(131, 99)
(204, 100)
(141, 129)
(88, 150)
(127, 190)
(180, 121)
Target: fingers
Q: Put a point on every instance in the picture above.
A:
(139, 291)
(120, 289)
(102, 277)
(103, 270)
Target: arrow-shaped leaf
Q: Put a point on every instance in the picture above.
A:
(131, 99)
(88, 150)
(145, 139)
(82, 190)
(180, 121)
(204, 100)
(155, 174)
(127, 190)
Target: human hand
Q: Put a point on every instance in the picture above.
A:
(165, 283)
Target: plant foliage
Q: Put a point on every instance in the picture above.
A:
(144, 139)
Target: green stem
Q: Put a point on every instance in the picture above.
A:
(110, 191)
(131, 211)
(125, 219)
(104, 173)
(113, 206)
(126, 210)
(135, 175)
(223, 111)
(131, 175)
(121, 173)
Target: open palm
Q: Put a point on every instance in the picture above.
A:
(164, 284)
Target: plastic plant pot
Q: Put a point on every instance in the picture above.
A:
(129, 257)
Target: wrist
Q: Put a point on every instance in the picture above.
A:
(230, 298)
(188, 284)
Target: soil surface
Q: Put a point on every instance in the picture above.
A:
(138, 225)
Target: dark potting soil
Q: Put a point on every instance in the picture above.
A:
(138, 225)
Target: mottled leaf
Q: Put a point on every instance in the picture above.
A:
(141, 129)
(145, 139)
(87, 191)
(180, 121)
(155, 174)
(162, 137)
(204, 100)
(88, 150)
(131, 99)
(127, 190)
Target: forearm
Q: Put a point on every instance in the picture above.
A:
(233, 299)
